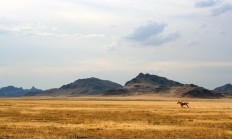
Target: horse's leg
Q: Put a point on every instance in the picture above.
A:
(187, 105)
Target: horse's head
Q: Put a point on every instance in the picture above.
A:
(178, 102)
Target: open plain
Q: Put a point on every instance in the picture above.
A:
(115, 117)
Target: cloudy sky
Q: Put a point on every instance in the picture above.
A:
(48, 43)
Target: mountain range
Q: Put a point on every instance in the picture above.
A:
(11, 91)
(141, 84)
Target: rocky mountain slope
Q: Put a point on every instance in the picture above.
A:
(150, 84)
(225, 89)
(89, 86)
(152, 79)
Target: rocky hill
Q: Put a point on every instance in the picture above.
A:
(89, 86)
(225, 89)
(152, 79)
(200, 92)
(150, 84)
(11, 91)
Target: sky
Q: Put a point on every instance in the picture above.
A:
(49, 43)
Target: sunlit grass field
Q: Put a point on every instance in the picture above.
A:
(114, 118)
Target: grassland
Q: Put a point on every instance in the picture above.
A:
(114, 118)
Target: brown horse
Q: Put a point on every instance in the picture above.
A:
(183, 103)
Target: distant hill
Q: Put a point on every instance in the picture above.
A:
(149, 84)
(225, 89)
(152, 79)
(11, 91)
(89, 86)
(200, 92)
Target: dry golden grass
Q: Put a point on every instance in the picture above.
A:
(121, 117)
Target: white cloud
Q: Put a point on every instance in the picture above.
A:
(207, 3)
(222, 32)
(146, 31)
(114, 43)
(27, 29)
(151, 34)
(192, 42)
(221, 10)
(19, 5)
(38, 29)
(94, 35)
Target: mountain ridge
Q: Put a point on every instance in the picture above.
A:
(11, 91)
(154, 79)
(225, 89)
(141, 84)
(153, 84)
(88, 86)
